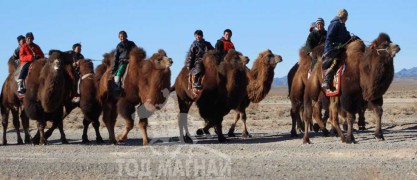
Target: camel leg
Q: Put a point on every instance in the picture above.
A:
(361, 121)
(376, 107)
(41, 128)
(61, 130)
(219, 130)
(129, 123)
(16, 124)
(334, 104)
(317, 117)
(96, 125)
(307, 119)
(143, 125)
(184, 107)
(296, 119)
(86, 123)
(109, 118)
(245, 133)
(350, 120)
(233, 126)
(25, 124)
(5, 123)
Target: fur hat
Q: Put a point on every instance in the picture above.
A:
(20, 37)
(198, 32)
(30, 34)
(320, 20)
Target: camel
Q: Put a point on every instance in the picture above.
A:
(146, 83)
(297, 80)
(10, 102)
(46, 93)
(368, 74)
(88, 104)
(224, 88)
(260, 81)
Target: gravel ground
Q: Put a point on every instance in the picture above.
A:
(270, 154)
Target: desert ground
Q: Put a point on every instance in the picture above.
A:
(269, 154)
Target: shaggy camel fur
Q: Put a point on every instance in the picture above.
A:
(368, 73)
(10, 102)
(49, 88)
(260, 81)
(224, 88)
(147, 83)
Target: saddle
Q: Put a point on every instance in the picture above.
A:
(336, 83)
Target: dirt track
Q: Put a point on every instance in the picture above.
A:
(270, 153)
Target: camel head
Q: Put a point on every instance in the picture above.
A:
(269, 59)
(85, 66)
(236, 58)
(384, 46)
(58, 59)
(160, 60)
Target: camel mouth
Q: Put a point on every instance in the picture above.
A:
(278, 59)
(56, 64)
(394, 49)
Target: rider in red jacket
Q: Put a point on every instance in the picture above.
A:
(28, 53)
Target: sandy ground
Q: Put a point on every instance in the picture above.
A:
(270, 154)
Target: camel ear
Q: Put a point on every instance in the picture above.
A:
(372, 46)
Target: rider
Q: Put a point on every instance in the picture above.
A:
(317, 36)
(121, 58)
(194, 60)
(337, 37)
(224, 44)
(76, 52)
(16, 58)
(28, 53)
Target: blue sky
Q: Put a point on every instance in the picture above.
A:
(281, 26)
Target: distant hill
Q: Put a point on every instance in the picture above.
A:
(404, 73)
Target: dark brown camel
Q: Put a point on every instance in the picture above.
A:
(260, 81)
(10, 102)
(147, 83)
(47, 93)
(89, 105)
(224, 88)
(369, 72)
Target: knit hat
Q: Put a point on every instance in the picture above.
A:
(29, 34)
(320, 20)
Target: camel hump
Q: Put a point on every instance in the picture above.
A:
(137, 54)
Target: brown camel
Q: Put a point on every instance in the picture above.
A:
(88, 104)
(260, 81)
(146, 82)
(47, 93)
(224, 88)
(10, 102)
(297, 80)
(368, 73)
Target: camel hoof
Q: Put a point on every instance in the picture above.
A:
(362, 128)
(99, 140)
(325, 133)
(85, 141)
(64, 141)
(379, 137)
(231, 134)
(306, 141)
(19, 141)
(4, 142)
(294, 133)
(246, 135)
(145, 143)
(28, 140)
(44, 142)
(200, 132)
(222, 139)
(120, 138)
(316, 127)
